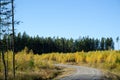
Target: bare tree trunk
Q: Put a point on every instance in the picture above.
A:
(7, 59)
(0, 61)
(118, 45)
(13, 37)
(5, 67)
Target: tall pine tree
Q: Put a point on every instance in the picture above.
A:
(5, 23)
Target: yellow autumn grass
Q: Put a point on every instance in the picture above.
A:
(29, 66)
(108, 60)
(28, 61)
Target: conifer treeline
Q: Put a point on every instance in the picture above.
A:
(46, 45)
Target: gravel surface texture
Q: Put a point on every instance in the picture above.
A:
(82, 73)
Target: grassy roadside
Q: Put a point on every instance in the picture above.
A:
(109, 74)
(30, 66)
(44, 74)
(107, 61)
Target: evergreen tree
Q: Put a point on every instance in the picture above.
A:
(109, 44)
(102, 43)
(117, 40)
(5, 16)
(47, 45)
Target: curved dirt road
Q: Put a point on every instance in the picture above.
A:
(82, 73)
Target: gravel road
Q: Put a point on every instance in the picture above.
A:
(82, 73)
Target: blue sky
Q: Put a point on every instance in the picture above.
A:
(69, 18)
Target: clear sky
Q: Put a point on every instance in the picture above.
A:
(69, 18)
